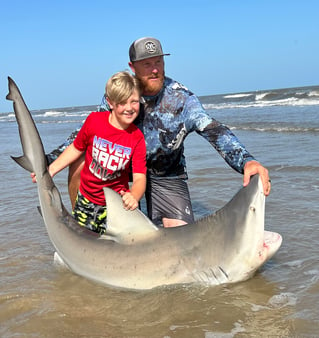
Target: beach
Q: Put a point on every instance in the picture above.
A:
(281, 129)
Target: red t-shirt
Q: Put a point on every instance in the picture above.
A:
(108, 154)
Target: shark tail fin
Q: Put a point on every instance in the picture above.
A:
(23, 162)
(11, 83)
(9, 97)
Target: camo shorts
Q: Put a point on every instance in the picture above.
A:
(89, 214)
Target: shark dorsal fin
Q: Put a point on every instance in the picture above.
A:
(126, 226)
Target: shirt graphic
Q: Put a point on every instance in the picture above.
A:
(108, 159)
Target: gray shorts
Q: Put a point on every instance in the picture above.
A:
(169, 198)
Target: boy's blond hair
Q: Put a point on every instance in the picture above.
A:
(121, 86)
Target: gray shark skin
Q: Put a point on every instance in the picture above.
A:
(226, 247)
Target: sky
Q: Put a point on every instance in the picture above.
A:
(61, 53)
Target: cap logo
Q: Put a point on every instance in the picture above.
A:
(150, 47)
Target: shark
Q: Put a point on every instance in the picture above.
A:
(227, 246)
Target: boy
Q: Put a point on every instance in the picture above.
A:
(112, 145)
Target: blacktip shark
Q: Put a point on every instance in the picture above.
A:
(226, 247)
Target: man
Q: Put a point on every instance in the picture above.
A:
(168, 113)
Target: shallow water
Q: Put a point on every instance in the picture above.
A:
(39, 299)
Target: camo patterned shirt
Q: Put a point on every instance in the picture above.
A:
(166, 119)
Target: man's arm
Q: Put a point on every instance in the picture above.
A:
(227, 144)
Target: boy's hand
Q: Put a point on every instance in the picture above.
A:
(33, 177)
(129, 201)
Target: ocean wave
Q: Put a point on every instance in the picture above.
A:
(268, 96)
(64, 114)
(300, 96)
(6, 117)
(262, 103)
(279, 129)
(260, 97)
(54, 113)
(237, 96)
(314, 93)
(79, 121)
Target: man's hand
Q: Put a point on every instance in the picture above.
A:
(253, 167)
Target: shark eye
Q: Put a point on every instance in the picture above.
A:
(252, 209)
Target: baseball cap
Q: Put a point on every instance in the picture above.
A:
(145, 48)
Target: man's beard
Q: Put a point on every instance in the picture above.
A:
(150, 87)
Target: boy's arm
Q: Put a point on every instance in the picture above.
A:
(132, 197)
(69, 155)
(138, 186)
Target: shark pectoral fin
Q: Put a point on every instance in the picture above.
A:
(39, 210)
(56, 200)
(23, 162)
